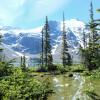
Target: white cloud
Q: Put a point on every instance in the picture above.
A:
(9, 11)
(47, 7)
(24, 12)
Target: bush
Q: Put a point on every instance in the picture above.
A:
(61, 68)
(52, 68)
(77, 68)
(92, 95)
(95, 74)
(86, 73)
(5, 68)
(23, 87)
(41, 69)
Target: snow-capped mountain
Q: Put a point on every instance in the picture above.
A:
(29, 41)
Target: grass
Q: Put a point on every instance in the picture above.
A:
(92, 95)
(94, 74)
(58, 68)
(77, 68)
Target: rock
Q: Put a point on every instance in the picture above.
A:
(70, 75)
(32, 75)
(42, 75)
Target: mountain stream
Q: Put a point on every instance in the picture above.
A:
(71, 88)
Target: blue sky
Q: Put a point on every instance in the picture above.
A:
(31, 13)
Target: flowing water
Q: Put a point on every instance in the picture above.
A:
(71, 88)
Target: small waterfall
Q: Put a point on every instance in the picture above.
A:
(78, 92)
(58, 83)
(55, 80)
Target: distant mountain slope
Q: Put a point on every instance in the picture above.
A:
(29, 41)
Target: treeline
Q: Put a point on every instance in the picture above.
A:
(90, 51)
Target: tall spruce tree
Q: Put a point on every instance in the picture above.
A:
(42, 47)
(92, 52)
(1, 49)
(0, 42)
(47, 46)
(66, 57)
(98, 10)
(23, 63)
(93, 46)
(97, 21)
(82, 49)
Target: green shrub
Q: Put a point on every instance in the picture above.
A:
(86, 73)
(5, 68)
(92, 95)
(95, 74)
(23, 87)
(77, 68)
(32, 69)
(41, 69)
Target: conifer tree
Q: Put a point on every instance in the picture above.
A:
(92, 52)
(93, 46)
(42, 46)
(98, 10)
(23, 63)
(47, 46)
(97, 21)
(66, 57)
(1, 49)
(0, 42)
(83, 52)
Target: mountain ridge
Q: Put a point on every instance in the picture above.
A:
(28, 41)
